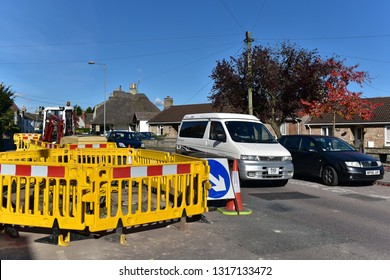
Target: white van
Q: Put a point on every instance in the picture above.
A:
(236, 136)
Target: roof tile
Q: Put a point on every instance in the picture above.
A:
(381, 114)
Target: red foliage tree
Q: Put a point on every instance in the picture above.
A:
(280, 77)
(339, 100)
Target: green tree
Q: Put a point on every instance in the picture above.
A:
(78, 110)
(89, 110)
(281, 77)
(6, 98)
(6, 114)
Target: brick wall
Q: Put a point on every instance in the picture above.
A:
(169, 131)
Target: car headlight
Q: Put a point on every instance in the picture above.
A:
(143, 146)
(379, 163)
(120, 144)
(288, 158)
(353, 164)
(248, 157)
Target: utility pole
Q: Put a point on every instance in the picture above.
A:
(248, 40)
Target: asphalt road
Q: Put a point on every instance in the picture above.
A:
(303, 220)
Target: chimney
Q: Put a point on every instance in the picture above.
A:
(168, 102)
(133, 89)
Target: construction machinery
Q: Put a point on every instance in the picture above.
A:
(58, 121)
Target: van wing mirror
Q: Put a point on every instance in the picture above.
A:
(221, 137)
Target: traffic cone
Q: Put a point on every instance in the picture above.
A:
(234, 206)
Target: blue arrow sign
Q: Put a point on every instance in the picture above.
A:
(219, 179)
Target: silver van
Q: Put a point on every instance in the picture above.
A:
(236, 136)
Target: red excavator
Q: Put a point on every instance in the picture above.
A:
(58, 122)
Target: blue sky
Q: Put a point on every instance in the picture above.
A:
(171, 47)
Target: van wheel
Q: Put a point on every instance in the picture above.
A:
(329, 176)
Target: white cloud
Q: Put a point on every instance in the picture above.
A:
(158, 102)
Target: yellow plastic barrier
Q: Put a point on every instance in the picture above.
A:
(36, 195)
(30, 141)
(36, 144)
(99, 189)
(22, 140)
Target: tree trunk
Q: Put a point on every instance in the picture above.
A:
(276, 128)
(334, 124)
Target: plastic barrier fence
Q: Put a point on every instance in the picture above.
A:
(22, 140)
(30, 141)
(25, 143)
(36, 144)
(99, 189)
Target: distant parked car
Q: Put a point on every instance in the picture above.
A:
(331, 159)
(146, 135)
(125, 139)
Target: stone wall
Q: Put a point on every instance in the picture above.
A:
(166, 144)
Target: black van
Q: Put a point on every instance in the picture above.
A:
(331, 159)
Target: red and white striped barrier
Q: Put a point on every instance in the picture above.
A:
(87, 146)
(154, 170)
(32, 170)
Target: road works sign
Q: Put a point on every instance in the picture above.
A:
(220, 179)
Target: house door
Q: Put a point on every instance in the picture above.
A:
(359, 138)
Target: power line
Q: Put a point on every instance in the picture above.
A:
(40, 101)
(117, 42)
(192, 37)
(325, 38)
(199, 91)
(232, 15)
(259, 14)
(360, 58)
(188, 63)
(122, 57)
(169, 52)
(203, 87)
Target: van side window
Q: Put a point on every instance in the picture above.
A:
(216, 131)
(193, 129)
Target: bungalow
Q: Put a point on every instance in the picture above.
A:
(167, 122)
(370, 136)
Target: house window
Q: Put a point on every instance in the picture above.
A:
(326, 130)
(387, 136)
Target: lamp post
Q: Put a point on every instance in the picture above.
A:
(105, 86)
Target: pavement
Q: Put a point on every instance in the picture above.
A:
(386, 178)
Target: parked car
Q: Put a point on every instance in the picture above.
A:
(331, 159)
(146, 135)
(125, 139)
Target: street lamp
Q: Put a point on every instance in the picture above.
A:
(105, 86)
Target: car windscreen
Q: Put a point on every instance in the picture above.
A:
(249, 132)
(333, 144)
